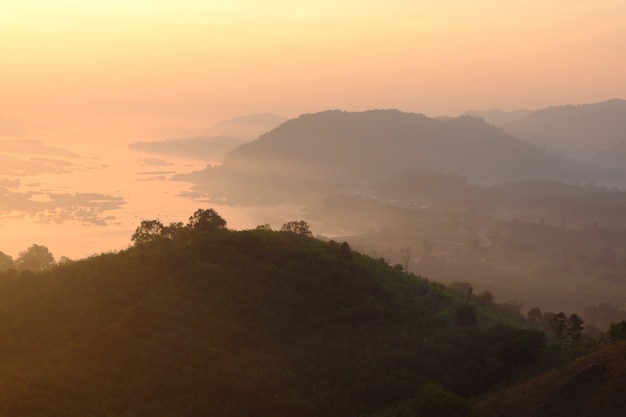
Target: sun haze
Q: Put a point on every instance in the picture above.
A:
(144, 58)
(91, 76)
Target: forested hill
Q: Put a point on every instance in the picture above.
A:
(591, 386)
(335, 150)
(204, 321)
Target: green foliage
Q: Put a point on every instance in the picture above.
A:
(466, 316)
(240, 323)
(299, 227)
(36, 258)
(206, 220)
(617, 331)
(147, 231)
(565, 328)
(6, 262)
(432, 400)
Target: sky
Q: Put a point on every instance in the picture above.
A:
(81, 79)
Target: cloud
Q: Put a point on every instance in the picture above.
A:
(48, 207)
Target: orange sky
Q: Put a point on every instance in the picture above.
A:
(191, 59)
(93, 75)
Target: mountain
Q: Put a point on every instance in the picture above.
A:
(614, 156)
(247, 127)
(591, 386)
(204, 321)
(205, 148)
(579, 131)
(498, 117)
(335, 150)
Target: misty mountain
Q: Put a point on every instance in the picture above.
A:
(579, 131)
(247, 127)
(614, 156)
(204, 148)
(336, 150)
(498, 117)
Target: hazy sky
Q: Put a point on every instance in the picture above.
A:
(133, 60)
(80, 79)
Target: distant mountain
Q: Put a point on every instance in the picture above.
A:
(578, 131)
(210, 149)
(614, 156)
(258, 119)
(336, 150)
(247, 127)
(591, 386)
(498, 117)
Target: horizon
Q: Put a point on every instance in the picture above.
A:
(84, 79)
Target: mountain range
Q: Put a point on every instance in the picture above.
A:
(580, 131)
(335, 150)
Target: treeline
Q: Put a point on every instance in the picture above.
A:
(197, 320)
(36, 258)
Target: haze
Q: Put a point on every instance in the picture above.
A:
(82, 80)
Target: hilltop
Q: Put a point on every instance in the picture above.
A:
(198, 320)
(332, 151)
(580, 131)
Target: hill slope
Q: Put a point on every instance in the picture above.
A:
(334, 150)
(580, 131)
(591, 386)
(239, 323)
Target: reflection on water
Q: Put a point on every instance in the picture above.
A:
(104, 191)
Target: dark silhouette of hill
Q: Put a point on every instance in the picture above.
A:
(591, 386)
(579, 131)
(335, 150)
(204, 321)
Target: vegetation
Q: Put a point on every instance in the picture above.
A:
(199, 320)
(545, 244)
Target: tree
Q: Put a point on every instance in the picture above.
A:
(206, 220)
(299, 227)
(574, 327)
(147, 231)
(173, 229)
(408, 252)
(6, 262)
(535, 316)
(558, 326)
(36, 258)
(486, 298)
(617, 331)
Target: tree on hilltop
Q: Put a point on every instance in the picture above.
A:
(36, 258)
(6, 262)
(206, 220)
(299, 227)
